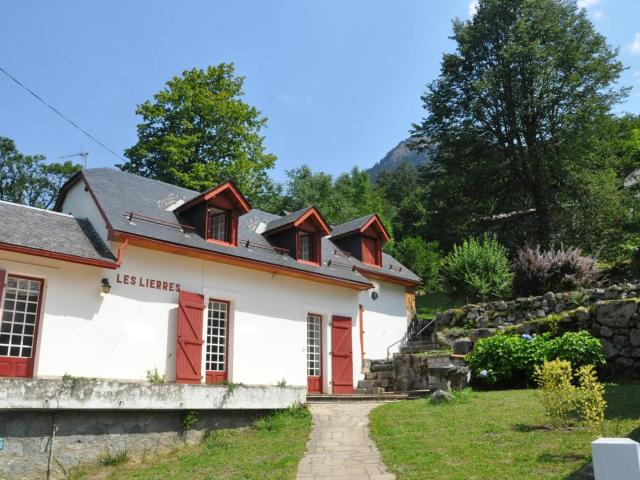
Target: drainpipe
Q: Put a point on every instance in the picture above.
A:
(54, 429)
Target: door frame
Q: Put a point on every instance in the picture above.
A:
(214, 376)
(36, 329)
(321, 346)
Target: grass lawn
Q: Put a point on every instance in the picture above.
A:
(270, 449)
(492, 435)
(431, 303)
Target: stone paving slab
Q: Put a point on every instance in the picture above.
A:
(340, 447)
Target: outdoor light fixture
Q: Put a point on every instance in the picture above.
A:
(374, 295)
(106, 286)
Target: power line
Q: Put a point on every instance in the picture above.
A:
(58, 112)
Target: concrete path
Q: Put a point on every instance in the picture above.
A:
(340, 447)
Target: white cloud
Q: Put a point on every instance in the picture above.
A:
(473, 7)
(587, 3)
(598, 15)
(636, 73)
(286, 98)
(634, 47)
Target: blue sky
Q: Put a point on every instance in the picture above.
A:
(340, 81)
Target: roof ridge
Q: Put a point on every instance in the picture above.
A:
(44, 210)
(155, 180)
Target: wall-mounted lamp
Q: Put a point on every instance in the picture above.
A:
(374, 295)
(106, 286)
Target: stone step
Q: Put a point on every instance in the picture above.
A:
(383, 375)
(357, 397)
(374, 383)
(381, 367)
(369, 390)
(420, 343)
(421, 349)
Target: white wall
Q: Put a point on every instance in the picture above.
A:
(80, 204)
(385, 319)
(132, 329)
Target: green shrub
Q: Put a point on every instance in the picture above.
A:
(510, 360)
(557, 393)
(565, 399)
(479, 269)
(579, 348)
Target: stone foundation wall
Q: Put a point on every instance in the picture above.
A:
(502, 314)
(97, 418)
(84, 437)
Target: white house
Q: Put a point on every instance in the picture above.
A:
(130, 275)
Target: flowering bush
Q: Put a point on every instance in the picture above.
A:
(510, 360)
(538, 272)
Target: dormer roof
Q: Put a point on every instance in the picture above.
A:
(298, 218)
(224, 189)
(361, 226)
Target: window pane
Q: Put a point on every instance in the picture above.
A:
(218, 228)
(314, 323)
(19, 317)
(217, 317)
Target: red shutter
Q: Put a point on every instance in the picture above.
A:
(189, 349)
(341, 355)
(3, 276)
(370, 253)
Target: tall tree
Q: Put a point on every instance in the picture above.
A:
(27, 179)
(198, 132)
(516, 111)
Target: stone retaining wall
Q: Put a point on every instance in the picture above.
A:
(615, 322)
(502, 314)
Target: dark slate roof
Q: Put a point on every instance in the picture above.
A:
(51, 232)
(350, 226)
(119, 193)
(287, 219)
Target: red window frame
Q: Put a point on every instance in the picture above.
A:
(315, 384)
(314, 238)
(30, 361)
(231, 226)
(215, 376)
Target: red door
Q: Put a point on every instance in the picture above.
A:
(20, 300)
(189, 349)
(341, 356)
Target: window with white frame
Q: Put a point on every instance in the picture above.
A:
(19, 316)
(217, 329)
(314, 336)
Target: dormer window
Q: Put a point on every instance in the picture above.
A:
(215, 213)
(300, 233)
(304, 246)
(219, 223)
(309, 247)
(363, 238)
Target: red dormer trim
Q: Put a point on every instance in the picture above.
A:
(229, 200)
(375, 224)
(311, 220)
(228, 188)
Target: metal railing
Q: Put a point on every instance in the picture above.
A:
(409, 335)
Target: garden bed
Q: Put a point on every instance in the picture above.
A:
(489, 435)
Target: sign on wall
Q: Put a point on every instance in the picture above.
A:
(146, 282)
